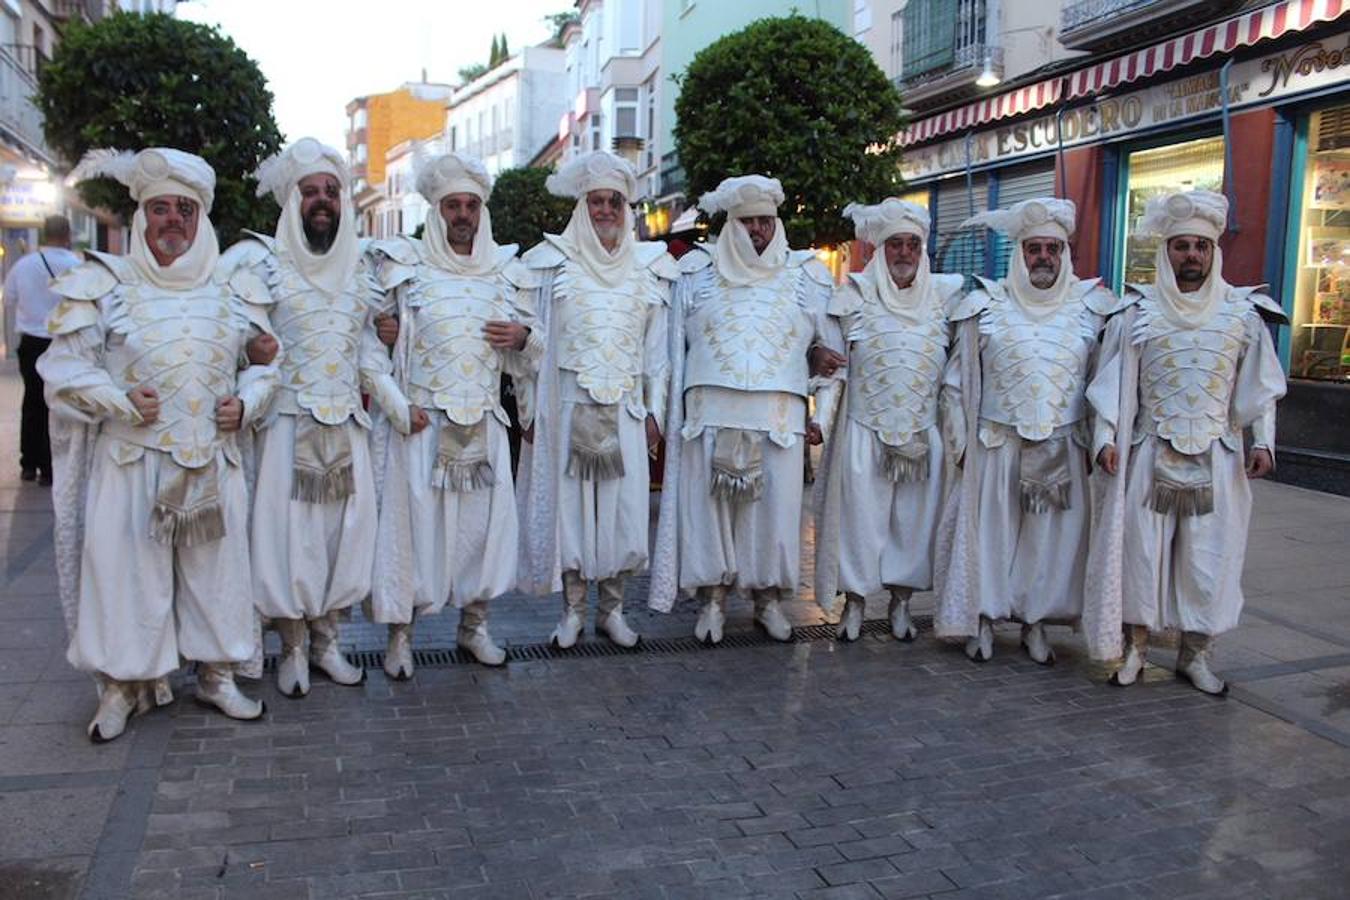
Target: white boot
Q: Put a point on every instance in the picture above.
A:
(398, 659)
(713, 615)
(116, 704)
(902, 627)
(850, 623)
(1136, 650)
(573, 621)
(216, 687)
(609, 613)
(1037, 645)
(293, 668)
(769, 614)
(325, 654)
(980, 647)
(473, 636)
(1193, 663)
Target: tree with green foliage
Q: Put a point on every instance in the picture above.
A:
(495, 54)
(522, 208)
(135, 81)
(795, 99)
(472, 72)
(560, 21)
(505, 50)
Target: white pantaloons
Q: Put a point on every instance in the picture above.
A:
(310, 559)
(144, 604)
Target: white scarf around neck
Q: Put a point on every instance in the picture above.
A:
(905, 303)
(583, 245)
(737, 261)
(1037, 302)
(190, 270)
(1189, 310)
(481, 260)
(330, 271)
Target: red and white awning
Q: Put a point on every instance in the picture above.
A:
(1224, 37)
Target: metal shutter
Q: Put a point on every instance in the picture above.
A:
(1015, 184)
(958, 250)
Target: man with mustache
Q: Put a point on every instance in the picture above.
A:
(151, 502)
(314, 509)
(448, 530)
(881, 488)
(602, 391)
(1014, 535)
(747, 312)
(1184, 369)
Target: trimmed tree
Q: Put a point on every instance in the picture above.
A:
(523, 209)
(795, 99)
(133, 81)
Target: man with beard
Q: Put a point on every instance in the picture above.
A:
(1014, 534)
(746, 314)
(314, 509)
(881, 490)
(1183, 371)
(602, 389)
(448, 529)
(152, 507)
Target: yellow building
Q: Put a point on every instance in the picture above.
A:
(378, 122)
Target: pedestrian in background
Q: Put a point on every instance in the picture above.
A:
(27, 288)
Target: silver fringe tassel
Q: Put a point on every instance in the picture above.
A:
(591, 466)
(462, 477)
(311, 486)
(187, 528)
(1040, 498)
(1183, 499)
(736, 487)
(901, 468)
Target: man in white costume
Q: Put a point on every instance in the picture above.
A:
(1184, 369)
(748, 310)
(152, 507)
(314, 509)
(604, 299)
(448, 529)
(1013, 540)
(881, 487)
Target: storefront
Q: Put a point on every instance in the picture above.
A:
(1259, 113)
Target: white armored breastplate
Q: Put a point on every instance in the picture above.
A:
(1186, 376)
(601, 331)
(749, 338)
(322, 337)
(453, 368)
(895, 370)
(1034, 369)
(185, 345)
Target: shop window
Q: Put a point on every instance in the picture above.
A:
(1320, 340)
(1193, 165)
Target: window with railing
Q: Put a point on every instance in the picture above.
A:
(939, 34)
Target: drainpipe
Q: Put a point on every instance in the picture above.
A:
(1229, 188)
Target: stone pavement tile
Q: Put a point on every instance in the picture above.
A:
(44, 749)
(50, 878)
(23, 634)
(916, 885)
(861, 870)
(43, 605)
(23, 666)
(12, 697)
(67, 702)
(64, 821)
(841, 892)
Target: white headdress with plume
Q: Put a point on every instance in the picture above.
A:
(744, 196)
(599, 170)
(891, 216)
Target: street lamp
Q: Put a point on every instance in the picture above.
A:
(988, 77)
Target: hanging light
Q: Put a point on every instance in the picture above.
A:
(988, 77)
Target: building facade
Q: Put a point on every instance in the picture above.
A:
(1166, 96)
(377, 122)
(509, 113)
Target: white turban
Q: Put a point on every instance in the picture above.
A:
(892, 216)
(595, 171)
(1044, 217)
(743, 197)
(159, 172)
(1201, 214)
(280, 176)
(437, 178)
(874, 224)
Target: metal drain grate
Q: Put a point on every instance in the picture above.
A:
(437, 657)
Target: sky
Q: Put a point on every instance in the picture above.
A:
(316, 60)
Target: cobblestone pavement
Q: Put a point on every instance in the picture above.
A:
(803, 770)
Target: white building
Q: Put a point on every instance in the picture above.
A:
(506, 115)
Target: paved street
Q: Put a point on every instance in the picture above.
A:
(803, 770)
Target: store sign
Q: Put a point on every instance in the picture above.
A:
(1256, 81)
(25, 203)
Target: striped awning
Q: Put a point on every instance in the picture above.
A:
(1223, 37)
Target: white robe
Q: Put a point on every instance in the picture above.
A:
(1163, 570)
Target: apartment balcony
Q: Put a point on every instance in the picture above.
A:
(87, 10)
(19, 115)
(947, 46)
(1104, 25)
